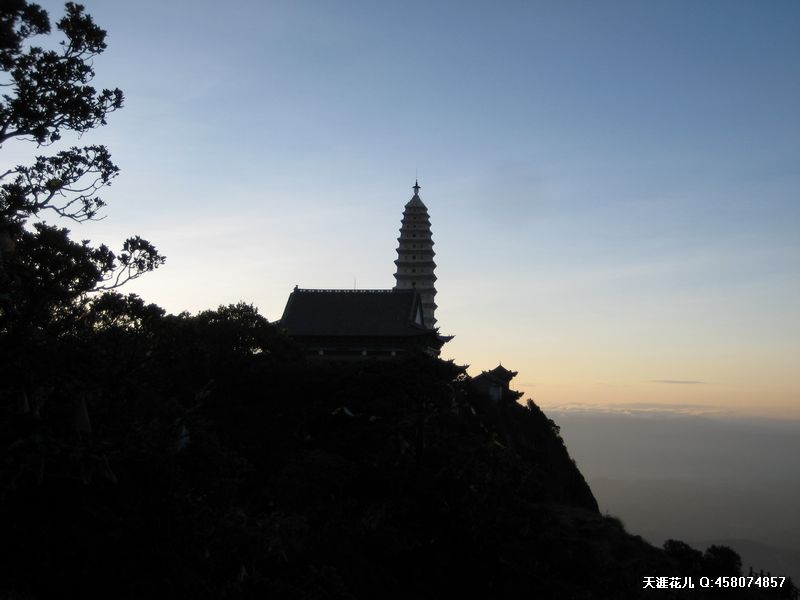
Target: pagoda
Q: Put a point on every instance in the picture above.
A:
(415, 254)
(337, 324)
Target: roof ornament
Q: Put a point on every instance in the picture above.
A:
(417, 187)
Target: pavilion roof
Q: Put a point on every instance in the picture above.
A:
(499, 374)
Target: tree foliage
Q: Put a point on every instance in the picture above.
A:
(51, 90)
(46, 278)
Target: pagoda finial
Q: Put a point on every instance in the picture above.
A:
(417, 187)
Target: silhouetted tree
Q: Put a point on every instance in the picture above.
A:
(45, 277)
(722, 561)
(689, 560)
(237, 329)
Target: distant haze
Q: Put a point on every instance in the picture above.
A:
(702, 479)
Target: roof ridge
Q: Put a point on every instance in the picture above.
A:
(348, 291)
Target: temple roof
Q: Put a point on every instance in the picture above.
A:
(502, 373)
(499, 374)
(415, 201)
(390, 313)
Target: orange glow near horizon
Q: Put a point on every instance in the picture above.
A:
(713, 384)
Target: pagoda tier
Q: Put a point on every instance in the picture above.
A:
(415, 254)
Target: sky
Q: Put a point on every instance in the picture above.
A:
(613, 186)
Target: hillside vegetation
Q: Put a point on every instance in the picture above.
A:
(203, 456)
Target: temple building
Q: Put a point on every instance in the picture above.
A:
(359, 323)
(495, 385)
(345, 324)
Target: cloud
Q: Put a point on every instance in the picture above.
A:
(643, 409)
(679, 381)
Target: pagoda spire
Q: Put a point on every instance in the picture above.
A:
(415, 254)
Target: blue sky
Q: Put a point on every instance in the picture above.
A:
(613, 186)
